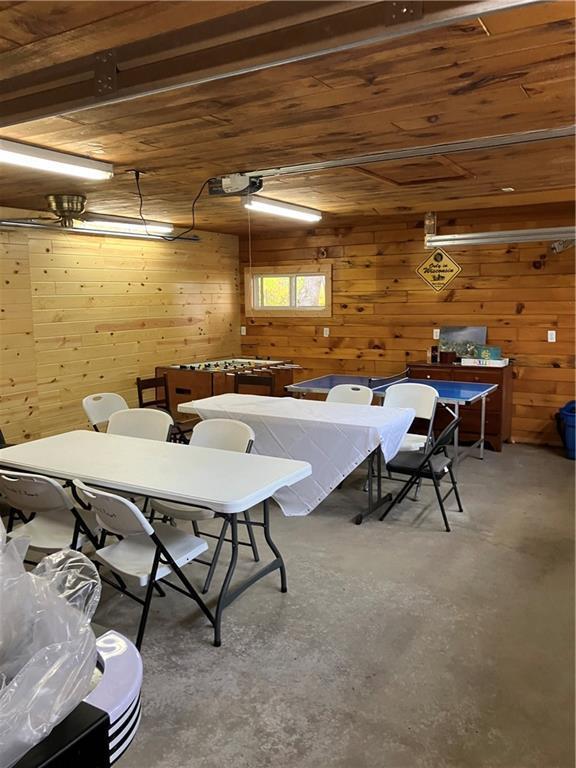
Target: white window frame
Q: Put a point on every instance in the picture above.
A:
(253, 309)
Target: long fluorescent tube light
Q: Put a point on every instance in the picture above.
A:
(278, 208)
(503, 237)
(31, 224)
(135, 227)
(26, 156)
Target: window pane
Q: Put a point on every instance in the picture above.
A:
(275, 291)
(310, 291)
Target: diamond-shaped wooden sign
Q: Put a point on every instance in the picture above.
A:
(439, 269)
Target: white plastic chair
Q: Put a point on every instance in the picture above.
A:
(99, 407)
(423, 399)
(350, 393)
(145, 555)
(147, 423)
(54, 522)
(225, 435)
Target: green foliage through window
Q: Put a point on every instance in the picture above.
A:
(289, 291)
(274, 291)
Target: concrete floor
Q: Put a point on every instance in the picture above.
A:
(397, 646)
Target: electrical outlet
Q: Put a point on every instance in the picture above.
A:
(326, 332)
(436, 333)
(242, 330)
(552, 336)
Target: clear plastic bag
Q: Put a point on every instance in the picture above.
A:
(47, 646)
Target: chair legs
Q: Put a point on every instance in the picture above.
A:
(154, 585)
(400, 496)
(417, 491)
(147, 599)
(455, 489)
(441, 502)
(416, 481)
(12, 515)
(216, 556)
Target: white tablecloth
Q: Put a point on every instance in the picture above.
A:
(334, 437)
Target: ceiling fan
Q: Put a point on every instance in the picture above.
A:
(69, 212)
(66, 209)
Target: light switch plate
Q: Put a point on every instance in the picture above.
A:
(551, 335)
(242, 330)
(326, 331)
(436, 333)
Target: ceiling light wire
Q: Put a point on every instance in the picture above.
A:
(141, 207)
(249, 242)
(141, 199)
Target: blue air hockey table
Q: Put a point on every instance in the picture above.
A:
(451, 394)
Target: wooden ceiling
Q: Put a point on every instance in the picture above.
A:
(506, 72)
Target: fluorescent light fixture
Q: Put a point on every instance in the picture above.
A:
(124, 225)
(278, 208)
(40, 159)
(85, 228)
(545, 234)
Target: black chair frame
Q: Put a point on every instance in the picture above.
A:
(424, 469)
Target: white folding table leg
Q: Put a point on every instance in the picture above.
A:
(482, 427)
(456, 436)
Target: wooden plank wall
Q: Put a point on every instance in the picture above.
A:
(384, 313)
(83, 314)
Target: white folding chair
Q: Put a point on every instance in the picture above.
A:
(225, 435)
(99, 407)
(422, 399)
(144, 555)
(350, 393)
(53, 521)
(147, 423)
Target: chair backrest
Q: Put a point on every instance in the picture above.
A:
(98, 408)
(350, 393)
(114, 513)
(264, 382)
(446, 437)
(33, 493)
(225, 434)
(156, 383)
(148, 423)
(420, 397)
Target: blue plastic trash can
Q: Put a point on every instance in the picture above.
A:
(566, 421)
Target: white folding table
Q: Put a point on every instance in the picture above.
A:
(224, 481)
(334, 438)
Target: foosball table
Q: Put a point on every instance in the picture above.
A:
(193, 381)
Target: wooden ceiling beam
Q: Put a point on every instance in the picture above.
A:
(212, 51)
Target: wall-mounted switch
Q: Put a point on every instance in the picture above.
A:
(436, 333)
(326, 331)
(242, 330)
(551, 335)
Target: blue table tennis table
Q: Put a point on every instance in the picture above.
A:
(451, 394)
